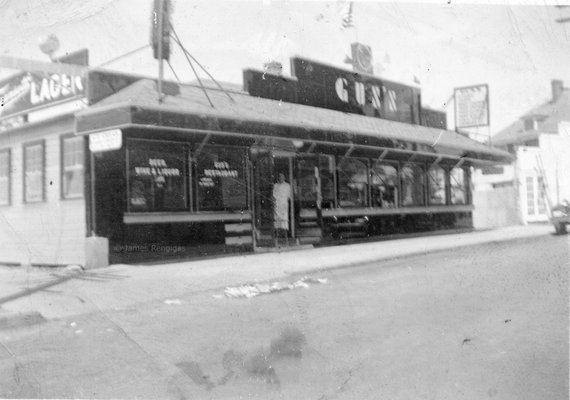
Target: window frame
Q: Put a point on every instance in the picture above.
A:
(25, 146)
(338, 163)
(424, 183)
(466, 186)
(318, 159)
(8, 152)
(196, 176)
(446, 187)
(395, 164)
(62, 170)
(134, 144)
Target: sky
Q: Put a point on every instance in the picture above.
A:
(515, 48)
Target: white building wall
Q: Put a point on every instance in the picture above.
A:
(495, 198)
(49, 232)
(554, 151)
(482, 182)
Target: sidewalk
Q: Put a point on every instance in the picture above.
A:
(124, 286)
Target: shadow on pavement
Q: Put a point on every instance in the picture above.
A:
(57, 279)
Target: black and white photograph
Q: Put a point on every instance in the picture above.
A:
(282, 199)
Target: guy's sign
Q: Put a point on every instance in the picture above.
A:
(325, 86)
(105, 141)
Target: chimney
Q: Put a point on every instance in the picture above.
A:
(557, 88)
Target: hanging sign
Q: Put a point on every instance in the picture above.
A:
(105, 141)
(472, 106)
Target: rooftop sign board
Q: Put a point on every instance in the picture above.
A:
(472, 106)
(320, 85)
(40, 84)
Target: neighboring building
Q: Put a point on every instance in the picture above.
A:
(103, 165)
(42, 203)
(541, 136)
(434, 118)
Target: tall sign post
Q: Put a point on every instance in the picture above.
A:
(472, 107)
(160, 37)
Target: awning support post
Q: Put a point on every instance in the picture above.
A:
(202, 144)
(436, 162)
(459, 163)
(349, 151)
(311, 147)
(383, 155)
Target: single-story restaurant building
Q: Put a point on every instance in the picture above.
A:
(105, 168)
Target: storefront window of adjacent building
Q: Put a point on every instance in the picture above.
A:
(352, 182)
(413, 183)
(384, 185)
(458, 186)
(72, 167)
(157, 177)
(221, 179)
(34, 172)
(315, 173)
(5, 177)
(437, 185)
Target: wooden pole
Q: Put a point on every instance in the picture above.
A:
(160, 17)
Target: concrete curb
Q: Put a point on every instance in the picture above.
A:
(144, 283)
(324, 266)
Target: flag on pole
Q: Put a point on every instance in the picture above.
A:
(347, 18)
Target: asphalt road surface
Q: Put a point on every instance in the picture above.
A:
(479, 322)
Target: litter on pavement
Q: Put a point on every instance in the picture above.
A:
(170, 302)
(252, 290)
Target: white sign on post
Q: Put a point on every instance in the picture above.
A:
(472, 106)
(105, 141)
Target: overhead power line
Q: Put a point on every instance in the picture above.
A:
(125, 55)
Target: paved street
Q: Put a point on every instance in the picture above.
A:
(486, 321)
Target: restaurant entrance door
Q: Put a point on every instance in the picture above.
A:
(267, 167)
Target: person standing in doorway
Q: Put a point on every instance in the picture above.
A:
(281, 198)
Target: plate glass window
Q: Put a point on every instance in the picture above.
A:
(384, 185)
(308, 169)
(72, 167)
(5, 177)
(458, 186)
(353, 182)
(437, 185)
(157, 177)
(413, 185)
(34, 173)
(221, 179)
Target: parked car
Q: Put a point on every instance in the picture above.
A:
(561, 217)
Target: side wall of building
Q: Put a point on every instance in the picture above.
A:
(51, 231)
(555, 150)
(495, 197)
(553, 153)
(495, 208)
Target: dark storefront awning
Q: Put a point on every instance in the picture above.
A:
(137, 106)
